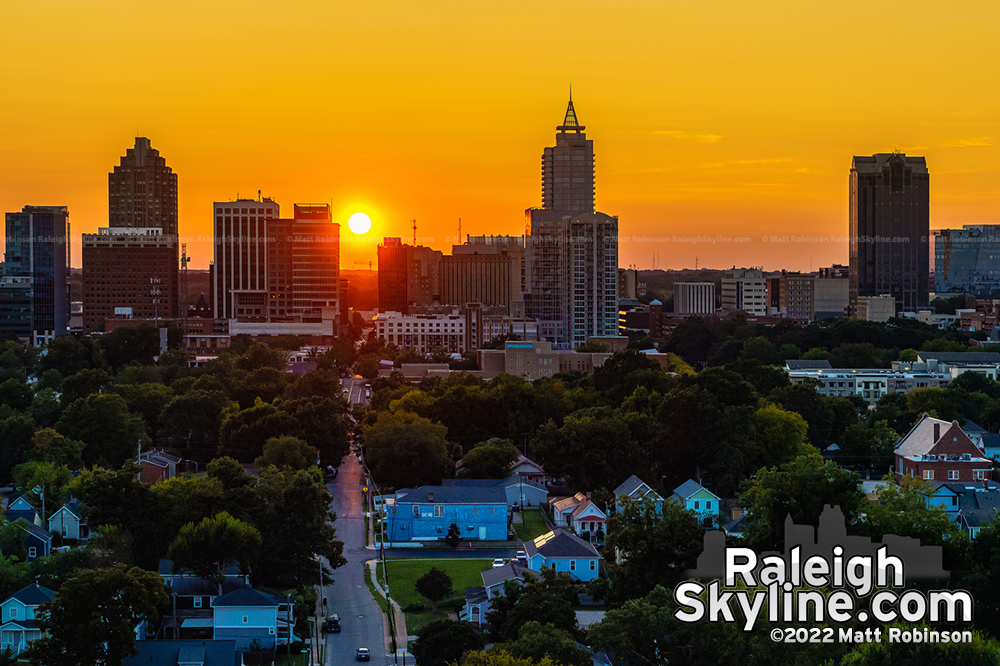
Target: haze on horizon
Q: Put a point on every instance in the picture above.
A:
(733, 119)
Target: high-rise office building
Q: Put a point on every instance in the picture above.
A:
(240, 284)
(271, 269)
(798, 295)
(890, 229)
(130, 267)
(487, 270)
(694, 298)
(408, 276)
(35, 287)
(967, 261)
(571, 266)
(745, 289)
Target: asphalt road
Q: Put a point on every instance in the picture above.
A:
(354, 390)
(459, 553)
(347, 595)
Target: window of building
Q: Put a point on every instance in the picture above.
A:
(928, 474)
(32, 552)
(197, 602)
(952, 474)
(696, 504)
(245, 619)
(979, 474)
(475, 511)
(416, 511)
(13, 611)
(439, 512)
(491, 510)
(593, 565)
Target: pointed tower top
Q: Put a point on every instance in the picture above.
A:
(570, 122)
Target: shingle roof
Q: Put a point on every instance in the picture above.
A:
(245, 597)
(455, 495)
(584, 505)
(690, 487)
(172, 653)
(920, 439)
(521, 460)
(808, 365)
(166, 568)
(629, 486)
(560, 543)
(475, 595)
(189, 586)
(38, 532)
(568, 502)
(968, 358)
(509, 571)
(33, 595)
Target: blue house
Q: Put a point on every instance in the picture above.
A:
(520, 491)
(636, 490)
(565, 552)
(19, 617)
(426, 513)
(695, 497)
(38, 542)
(251, 617)
(19, 507)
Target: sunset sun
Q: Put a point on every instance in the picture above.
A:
(359, 223)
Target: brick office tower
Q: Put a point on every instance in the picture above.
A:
(890, 229)
(130, 268)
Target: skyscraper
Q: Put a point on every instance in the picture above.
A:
(240, 282)
(967, 260)
(35, 287)
(130, 268)
(889, 229)
(486, 270)
(571, 250)
(408, 275)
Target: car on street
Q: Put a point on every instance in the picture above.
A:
(498, 562)
(363, 655)
(332, 624)
(521, 557)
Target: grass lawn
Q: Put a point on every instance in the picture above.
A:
(403, 575)
(282, 659)
(534, 525)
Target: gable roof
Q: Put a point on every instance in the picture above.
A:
(185, 653)
(526, 462)
(920, 439)
(691, 487)
(454, 495)
(32, 595)
(560, 543)
(246, 597)
(584, 505)
(509, 571)
(630, 485)
(72, 506)
(38, 532)
(22, 501)
(567, 503)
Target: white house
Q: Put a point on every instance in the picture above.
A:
(253, 619)
(479, 599)
(695, 497)
(579, 514)
(565, 552)
(69, 521)
(529, 469)
(18, 626)
(636, 489)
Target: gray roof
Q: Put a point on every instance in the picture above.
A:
(875, 163)
(560, 543)
(629, 486)
(166, 568)
(455, 495)
(509, 571)
(969, 358)
(492, 483)
(475, 595)
(688, 488)
(190, 586)
(33, 595)
(38, 532)
(172, 653)
(808, 365)
(246, 596)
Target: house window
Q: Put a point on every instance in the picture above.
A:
(696, 505)
(572, 565)
(979, 474)
(929, 474)
(13, 611)
(491, 511)
(245, 619)
(439, 512)
(32, 552)
(197, 602)
(593, 565)
(416, 511)
(952, 474)
(475, 511)
(63, 530)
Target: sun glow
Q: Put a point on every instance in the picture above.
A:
(359, 223)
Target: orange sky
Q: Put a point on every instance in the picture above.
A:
(730, 118)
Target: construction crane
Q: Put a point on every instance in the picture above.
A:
(365, 263)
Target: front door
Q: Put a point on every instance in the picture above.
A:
(482, 534)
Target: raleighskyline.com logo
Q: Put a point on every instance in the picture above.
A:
(827, 577)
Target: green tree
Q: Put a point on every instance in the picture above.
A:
(537, 641)
(109, 432)
(867, 443)
(434, 586)
(243, 433)
(259, 356)
(45, 409)
(16, 394)
(489, 460)
(16, 431)
(287, 453)
(800, 488)
(779, 435)
(324, 423)
(53, 479)
(193, 420)
(48, 445)
(497, 656)
(982, 651)
(548, 599)
(131, 344)
(94, 616)
(406, 450)
(211, 546)
(147, 400)
(454, 535)
(444, 642)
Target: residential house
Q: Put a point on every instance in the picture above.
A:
(529, 469)
(695, 497)
(971, 505)
(987, 442)
(936, 450)
(70, 522)
(191, 608)
(19, 507)
(636, 490)
(426, 513)
(520, 491)
(565, 552)
(157, 466)
(254, 619)
(185, 653)
(736, 528)
(18, 613)
(38, 542)
(478, 600)
(579, 514)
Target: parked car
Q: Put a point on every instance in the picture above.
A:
(363, 655)
(498, 562)
(521, 557)
(332, 624)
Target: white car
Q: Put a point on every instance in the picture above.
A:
(498, 562)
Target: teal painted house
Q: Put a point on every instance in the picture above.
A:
(695, 497)
(426, 513)
(565, 552)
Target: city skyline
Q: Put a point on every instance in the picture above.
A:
(703, 129)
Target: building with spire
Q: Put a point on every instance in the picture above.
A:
(571, 250)
(130, 267)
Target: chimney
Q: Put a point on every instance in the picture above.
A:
(430, 496)
(937, 432)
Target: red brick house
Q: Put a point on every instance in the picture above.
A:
(936, 450)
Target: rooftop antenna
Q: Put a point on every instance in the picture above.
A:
(414, 221)
(459, 230)
(258, 196)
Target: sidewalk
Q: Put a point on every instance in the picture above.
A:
(402, 639)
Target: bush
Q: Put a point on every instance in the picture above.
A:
(414, 608)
